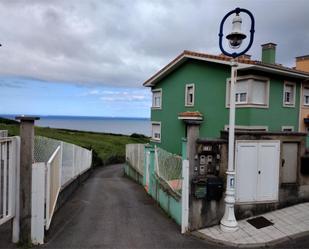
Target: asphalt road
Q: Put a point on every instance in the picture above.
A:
(111, 211)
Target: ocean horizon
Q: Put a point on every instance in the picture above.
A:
(116, 125)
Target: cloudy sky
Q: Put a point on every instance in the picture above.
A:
(90, 57)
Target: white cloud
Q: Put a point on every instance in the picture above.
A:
(122, 43)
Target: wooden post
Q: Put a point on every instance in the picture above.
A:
(26, 160)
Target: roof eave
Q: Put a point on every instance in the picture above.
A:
(280, 71)
(152, 81)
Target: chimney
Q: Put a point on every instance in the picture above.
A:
(302, 63)
(269, 53)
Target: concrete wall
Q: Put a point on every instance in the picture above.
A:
(208, 213)
(169, 201)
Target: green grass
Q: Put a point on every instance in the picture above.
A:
(107, 148)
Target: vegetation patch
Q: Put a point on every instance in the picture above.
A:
(107, 148)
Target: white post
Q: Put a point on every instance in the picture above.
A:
(185, 196)
(228, 222)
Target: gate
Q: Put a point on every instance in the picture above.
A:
(9, 159)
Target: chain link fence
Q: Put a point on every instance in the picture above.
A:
(168, 167)
(75, 159)
(3, 133)
(135, 156)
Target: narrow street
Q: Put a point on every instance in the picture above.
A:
(111, 211)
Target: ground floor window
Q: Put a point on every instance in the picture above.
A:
(287, 128)
(156, 131)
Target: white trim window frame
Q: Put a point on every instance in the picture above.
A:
(189, 95)
(289, 94)
(157, 98)
(156, 131)
(246, 98)
(287, 128)
(306, 96)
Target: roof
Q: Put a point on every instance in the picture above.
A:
(243, 64)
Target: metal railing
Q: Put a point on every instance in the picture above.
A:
(56, 163)
(135, 156)
(9, 156)
(53, 184)
(74, 159)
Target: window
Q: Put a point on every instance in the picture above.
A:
(306, 96)
(289, 94)
(287, 128)
(157, 98)
(156, 131)
(189, 98)
(250, 91)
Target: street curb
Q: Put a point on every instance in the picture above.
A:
(249, 245)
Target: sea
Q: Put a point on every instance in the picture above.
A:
(115, 125)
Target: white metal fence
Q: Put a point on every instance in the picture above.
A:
(57, 163)
(75, 160)
(9, 160)
(3, 133)
(168, 167)
(135, 156)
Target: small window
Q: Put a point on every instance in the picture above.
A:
(157, 98)
(156, 131)
(306, 96)
(240, 98)
(189, 98)
(287, 128)
(289, 94)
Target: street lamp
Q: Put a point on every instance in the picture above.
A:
(228, 222)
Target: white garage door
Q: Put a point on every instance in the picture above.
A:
(257, 170)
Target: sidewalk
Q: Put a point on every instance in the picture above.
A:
(289, 223)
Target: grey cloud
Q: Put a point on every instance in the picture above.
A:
(122, 43)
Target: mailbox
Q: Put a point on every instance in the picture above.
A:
(214, 188)
(199, 188)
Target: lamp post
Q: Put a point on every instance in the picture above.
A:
(228, 222)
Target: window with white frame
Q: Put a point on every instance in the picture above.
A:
(250, 91)
(157, 98)
(156, 131)
(189, 98)
(289, 94)
(287, 128)
(306, 96)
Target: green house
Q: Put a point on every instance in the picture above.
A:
(268, 96)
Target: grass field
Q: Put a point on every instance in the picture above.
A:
(107, 148)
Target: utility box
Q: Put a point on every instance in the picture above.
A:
(214, 188)
(199, 188)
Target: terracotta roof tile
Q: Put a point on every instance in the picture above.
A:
(225, 58)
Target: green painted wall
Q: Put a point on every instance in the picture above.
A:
(210, 91)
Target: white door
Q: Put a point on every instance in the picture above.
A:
(246, 180)
(289, 164)
(257, 170)
(268, 171)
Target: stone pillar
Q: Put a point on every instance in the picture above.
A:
(26, 160)
(193, 132)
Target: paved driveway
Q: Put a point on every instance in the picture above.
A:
(111, 211)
